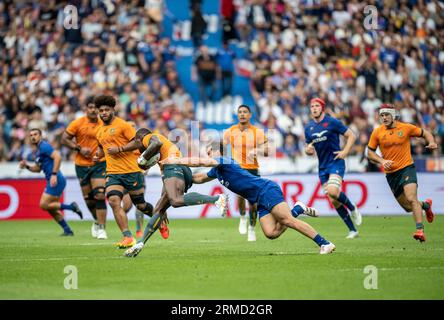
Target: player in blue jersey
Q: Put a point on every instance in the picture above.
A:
(49, 160)
(275, 215)
(322, 134)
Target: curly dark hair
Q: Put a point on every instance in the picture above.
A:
(105, 100)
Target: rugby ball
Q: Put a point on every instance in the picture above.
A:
(146, 164)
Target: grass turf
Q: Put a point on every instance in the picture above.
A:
(208, 259)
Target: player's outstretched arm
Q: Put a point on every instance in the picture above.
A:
(431, 144)
(152, 148)
(33, 168)
(351, 138)
(201, 177)
(191, 161)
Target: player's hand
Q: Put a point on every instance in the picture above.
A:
(86, 152)
(113, 150)
(387, 164)
(309, 149)
(432, 146)
(22, 164)
(340, 154)
(251, 156)
(53, 181)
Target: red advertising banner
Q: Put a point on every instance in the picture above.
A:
(19, 199)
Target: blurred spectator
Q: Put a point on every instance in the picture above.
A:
(198, 24)
(225, 58)
(206, 70)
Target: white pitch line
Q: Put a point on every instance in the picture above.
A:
(57, 259)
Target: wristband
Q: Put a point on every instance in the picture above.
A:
(28, 166)
(77, 148)
(54, 173)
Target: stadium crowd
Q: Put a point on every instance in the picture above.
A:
(300, 49)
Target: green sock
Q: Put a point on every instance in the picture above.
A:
(425, 205)
(194, 198)
(139, 220)
(419, 225)
(151, 227)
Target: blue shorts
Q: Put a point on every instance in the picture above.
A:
(58, 189)
(270, 196)
(338, 169)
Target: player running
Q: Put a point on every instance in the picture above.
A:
(80, 136)
(322, 134)
(393, 140)
(49, 160)
(122, 171)
(275, 215)
(177, 179)
(246, 141)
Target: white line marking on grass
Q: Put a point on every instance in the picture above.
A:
(58, 259)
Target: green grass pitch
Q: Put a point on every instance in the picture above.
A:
(208, 259)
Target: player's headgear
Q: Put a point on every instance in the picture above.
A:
(387, 108)
(318, 100)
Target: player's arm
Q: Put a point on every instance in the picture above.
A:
(68, 141)
(130, 146)
(152, 148)
(431, 144)
(55, 155)
(201, 177)
(99, 153)
(351, 138)
(33, 168)
(191, 161)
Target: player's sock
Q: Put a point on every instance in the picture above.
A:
(151, 227)
(65, 226)
(320, 240)
(253, 217)
(127, 233)
(425, 205)
(66, 207)
(346, 201)
(297, 210)
(343, 213)
(139, 220)
(194, 198)
(419, 226)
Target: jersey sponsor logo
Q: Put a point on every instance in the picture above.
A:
(320, 136)
(400, 134)
(112, 131)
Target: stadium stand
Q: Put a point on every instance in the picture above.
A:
(283, 53)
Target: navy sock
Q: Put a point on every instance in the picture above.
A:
(425, 205)
(343, 213)
(346, 201)
(296, 211)
(66, 207)
(320, 240)
(65, 226)
(419, 226)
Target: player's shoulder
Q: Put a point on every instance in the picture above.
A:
(45, 145)
(77, 122)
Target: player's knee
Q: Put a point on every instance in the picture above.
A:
(114, 198)
(175, 202)
(99, 193)
(333, 193)
(44, 205)
(271, 235)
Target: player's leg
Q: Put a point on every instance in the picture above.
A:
(84, 176)
(98, 192)
(114, 194)
(252, 208)
(406, 205)
(45, 203)
(152, 225)
(282, 214)
(243, 218)
(57, 191)
(410, 193)
(332, 188)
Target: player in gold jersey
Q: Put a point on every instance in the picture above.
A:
(122, 171)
